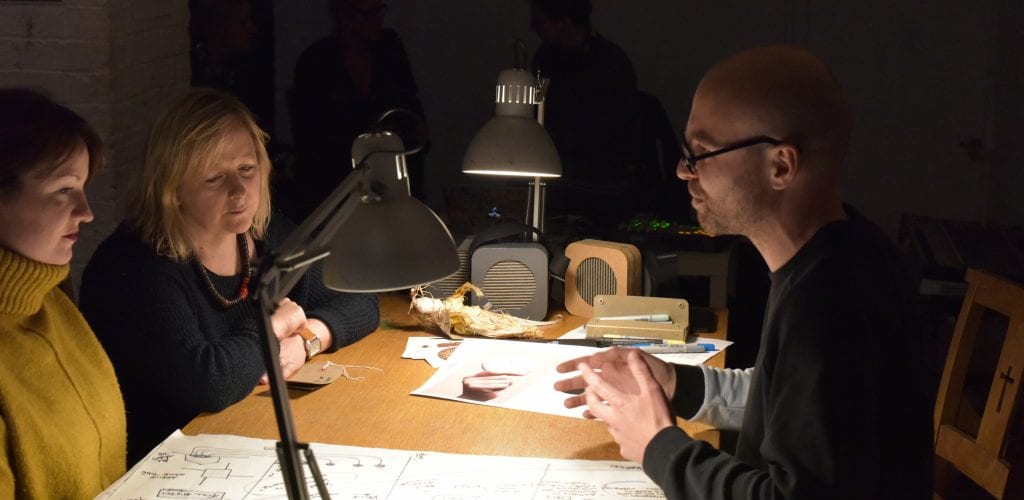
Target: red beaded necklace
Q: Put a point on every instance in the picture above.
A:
(243, 288)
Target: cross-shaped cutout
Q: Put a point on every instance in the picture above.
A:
(1006, 379)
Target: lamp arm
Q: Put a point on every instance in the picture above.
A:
(417, 116)
(288, 446)
(279, 271)
(306, 244)
(519, 48)
(538, 184)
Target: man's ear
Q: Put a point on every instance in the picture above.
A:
(785, 163)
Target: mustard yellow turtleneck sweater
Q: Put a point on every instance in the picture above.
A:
(62, 422)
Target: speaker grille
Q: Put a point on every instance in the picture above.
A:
(509, 285)
(594, 277)
(447, 286)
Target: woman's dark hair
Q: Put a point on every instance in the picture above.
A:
(37, 135)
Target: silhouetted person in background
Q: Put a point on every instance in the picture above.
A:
(232, 50)
(343, 84)
(590, 112)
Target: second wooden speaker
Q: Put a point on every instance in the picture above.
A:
(599, 267)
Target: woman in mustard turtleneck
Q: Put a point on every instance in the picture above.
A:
(62, 422)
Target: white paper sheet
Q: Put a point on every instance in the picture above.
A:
(433, 350)
(521, 375)
(233, 467)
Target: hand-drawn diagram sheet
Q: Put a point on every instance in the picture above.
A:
(234, 467)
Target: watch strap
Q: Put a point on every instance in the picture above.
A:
(310, 341)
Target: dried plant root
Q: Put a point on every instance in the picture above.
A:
(455, 318)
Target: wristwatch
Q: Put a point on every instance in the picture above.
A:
(310, 341)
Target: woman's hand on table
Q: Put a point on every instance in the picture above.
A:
(287, 319)
(292, 356)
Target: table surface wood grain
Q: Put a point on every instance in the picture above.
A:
(379, 412)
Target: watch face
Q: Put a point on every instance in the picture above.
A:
(312, 347)
(310, 341)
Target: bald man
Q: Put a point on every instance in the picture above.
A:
(837, 404)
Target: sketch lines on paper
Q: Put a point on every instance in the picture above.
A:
(233, 467)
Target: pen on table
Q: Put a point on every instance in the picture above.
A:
(655, 318)
(594, 342)
(681, 342)
(678, 348)
(625, 339)
(653, 341)
(591, 341)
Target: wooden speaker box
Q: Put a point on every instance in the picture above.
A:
(599, 267)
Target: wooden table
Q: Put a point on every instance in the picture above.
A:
(378, 411)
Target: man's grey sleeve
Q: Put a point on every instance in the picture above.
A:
(725, 397)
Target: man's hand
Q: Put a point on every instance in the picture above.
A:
(629, 400)
(614, 361)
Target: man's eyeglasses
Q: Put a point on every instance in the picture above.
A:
(691, 159)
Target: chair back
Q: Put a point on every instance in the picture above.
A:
(986, 448)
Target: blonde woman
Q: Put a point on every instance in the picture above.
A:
(166, 293)
(62, 424)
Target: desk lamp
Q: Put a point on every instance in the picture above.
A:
(514, 142)
(375, 237)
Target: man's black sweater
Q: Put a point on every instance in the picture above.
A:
(838, 404)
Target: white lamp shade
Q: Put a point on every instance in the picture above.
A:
(390, 245)
(512, 146)
(513, 143)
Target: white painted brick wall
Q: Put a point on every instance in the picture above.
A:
(115, 62)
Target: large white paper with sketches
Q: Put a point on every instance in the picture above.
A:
(506, 373)
(233, 467)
